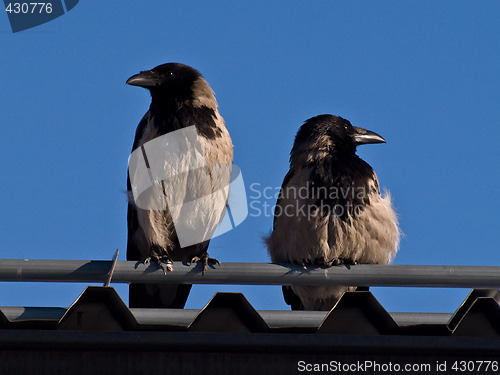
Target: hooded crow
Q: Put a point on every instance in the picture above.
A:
(180, 99)
(330, 210)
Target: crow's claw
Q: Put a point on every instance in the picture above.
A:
(159, 260)
(205, 260)
(346, 262)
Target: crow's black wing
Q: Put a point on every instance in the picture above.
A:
(133, 252)
(147, 295)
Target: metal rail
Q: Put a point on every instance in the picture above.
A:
(85, 271)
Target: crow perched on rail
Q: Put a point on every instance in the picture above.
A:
(330, 210)
(180, 98)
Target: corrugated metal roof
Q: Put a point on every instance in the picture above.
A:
(101, 308)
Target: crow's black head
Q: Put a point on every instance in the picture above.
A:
(331, 134)
(180, 97)
(172, 80)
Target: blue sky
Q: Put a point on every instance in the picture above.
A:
(422, 74)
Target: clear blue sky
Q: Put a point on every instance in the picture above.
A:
(425, 75)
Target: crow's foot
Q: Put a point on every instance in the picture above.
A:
(159, 260)
(345, 262)
(205, 260)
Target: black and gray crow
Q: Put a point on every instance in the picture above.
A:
(330, 210)
(180, 98)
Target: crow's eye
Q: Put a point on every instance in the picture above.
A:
(346, 127)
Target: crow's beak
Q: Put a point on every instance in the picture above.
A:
(147, 79)
(362, 136)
